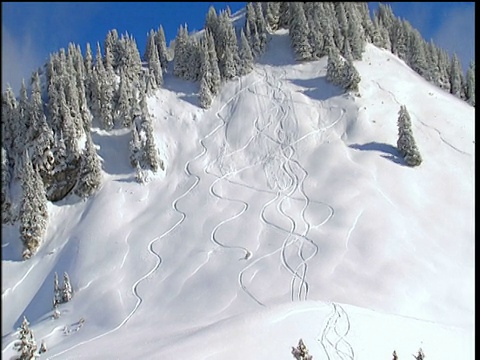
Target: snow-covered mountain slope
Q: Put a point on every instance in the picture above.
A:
(284, 212)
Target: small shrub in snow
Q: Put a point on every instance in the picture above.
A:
(301, 352)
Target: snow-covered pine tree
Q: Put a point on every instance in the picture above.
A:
(7, 216)
(315, 36)
(88, 60)
(351, 77)
(301, 352)
(246, 56)
(216, 80)
(111, 47)
(355, 31)
(444, 69)
(152, 157)
(283, 15)
(123, 111)
(33, 209)
(27, 345)
(456, 76)
(40, 133)
(150, 46)
(57, 292)
(136, 152)
(180, 61)
(417, 59)
(272, 15)
(470, 84)
(9, 117)
(406, 143)
(193, 59)
(211, 21)
(90, 174)
(154, 62)
(261, 26)
(205, 95)
(161, 44)
(299, 32)
(433, 74)
(67, 291)
(335, 67)
(227, 50)
(401, 30)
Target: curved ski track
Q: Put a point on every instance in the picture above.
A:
(339, 346)
(392, 95)
(286, 192)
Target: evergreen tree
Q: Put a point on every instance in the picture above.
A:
(40, 133)
(406, 143)
(152, 158)
(211, 21)
(335, 65)
(26, 346)
(123, 111)
(246, 56)
(315, 36)
(67, 291)
(161, 44)
(417, 58)
(351, 77)
(150, 47)
(301, 352)
(470, 84)
(444, 69)
(272, 15)
(9, 118)
(355, 31)
(283, 15)
(57, 292)
(180, 64)
(111, 47)
(90, 174)
(299, 32)
(154, 63)
(215, 80)
(456, 76)
(33, 209)
(6, 197)
(205, 94)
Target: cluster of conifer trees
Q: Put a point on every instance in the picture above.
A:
(47, 145)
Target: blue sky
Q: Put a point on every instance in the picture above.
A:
(31, 31)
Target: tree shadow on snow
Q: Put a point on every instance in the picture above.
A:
(390, 152)
(318, 88)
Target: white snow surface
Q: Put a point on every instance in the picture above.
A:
(284, 212)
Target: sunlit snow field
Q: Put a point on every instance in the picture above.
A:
(284, 212)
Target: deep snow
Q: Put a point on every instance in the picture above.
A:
(284, 212)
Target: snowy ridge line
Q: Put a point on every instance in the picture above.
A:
(332, 327)
(392, 95)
